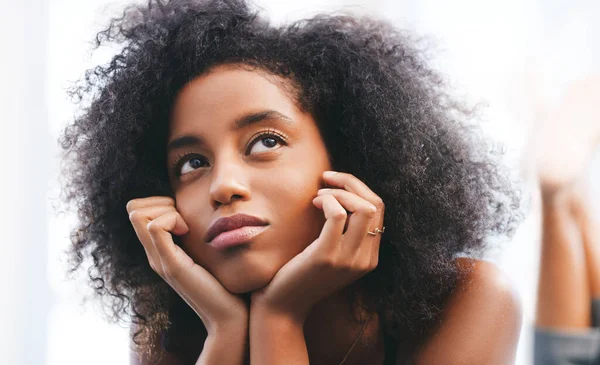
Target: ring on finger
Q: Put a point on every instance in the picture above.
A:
(377, 230)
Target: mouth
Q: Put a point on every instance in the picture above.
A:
(234, 230)
(236, 237)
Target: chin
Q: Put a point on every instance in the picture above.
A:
(245, 284)
(246, 281)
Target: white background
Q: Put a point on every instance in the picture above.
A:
(500, 52)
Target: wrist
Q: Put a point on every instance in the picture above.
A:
(262, 309)
(276, 337)
(232, 325)
(225, 346)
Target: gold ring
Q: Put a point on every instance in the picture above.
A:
(377, 230)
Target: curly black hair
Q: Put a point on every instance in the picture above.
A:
(386, 117)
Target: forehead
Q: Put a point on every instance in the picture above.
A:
(224, 94)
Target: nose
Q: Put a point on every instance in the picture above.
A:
(228, 183)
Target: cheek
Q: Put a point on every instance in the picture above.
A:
(184, 204)
(292, 196)
(189, 206)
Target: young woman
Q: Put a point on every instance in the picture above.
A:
(286, 195)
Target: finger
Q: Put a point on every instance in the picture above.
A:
(333, 228)
(140, 217)
(363, 248)
(150, 213)
(170, 255)
(354, 185)
(139, 203)
(372, 252)
(363, 214)
(160, 230)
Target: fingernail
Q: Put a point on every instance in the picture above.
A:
(329, 173)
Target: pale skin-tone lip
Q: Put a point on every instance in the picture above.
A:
(237, 237)
(231, 222)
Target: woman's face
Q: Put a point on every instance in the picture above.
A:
(268, 166)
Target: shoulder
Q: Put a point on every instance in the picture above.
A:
(484, 289)
(483, 280)
(481, 322)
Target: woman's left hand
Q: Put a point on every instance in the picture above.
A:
(336, 258)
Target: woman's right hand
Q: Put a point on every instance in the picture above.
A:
(154, 219)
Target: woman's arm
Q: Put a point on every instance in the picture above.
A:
(224, 315)
(481, 323)
(226, 346)
(276, 339)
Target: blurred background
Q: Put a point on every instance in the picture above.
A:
(513, 55)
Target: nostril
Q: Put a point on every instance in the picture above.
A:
(218, 203)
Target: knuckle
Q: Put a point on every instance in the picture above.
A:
(129, 205)
(339, 215)
(348, 265)
(370, 211)
(364, 264)
(326, 263)
(153, 227)
(134, 215)
(379, 204)
(361, 265)
(370, 265)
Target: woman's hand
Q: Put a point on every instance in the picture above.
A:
(154, 219)
(336, 258)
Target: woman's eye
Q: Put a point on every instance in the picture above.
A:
(265, 143)
(191, 164)
(262, 143)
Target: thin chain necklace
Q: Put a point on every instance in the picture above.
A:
(362, 330)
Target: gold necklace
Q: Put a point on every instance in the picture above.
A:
(362, 330)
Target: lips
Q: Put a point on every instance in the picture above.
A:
(230, 223)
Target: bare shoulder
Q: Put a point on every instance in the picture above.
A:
(481, 322)
(484, 277)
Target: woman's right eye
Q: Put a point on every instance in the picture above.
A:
(187, 164)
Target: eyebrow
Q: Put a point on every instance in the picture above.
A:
(244, 121)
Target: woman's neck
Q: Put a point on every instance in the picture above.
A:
(332, 327)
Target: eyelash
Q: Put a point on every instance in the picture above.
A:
(181, 159)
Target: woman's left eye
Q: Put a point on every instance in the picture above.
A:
(265, 142)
